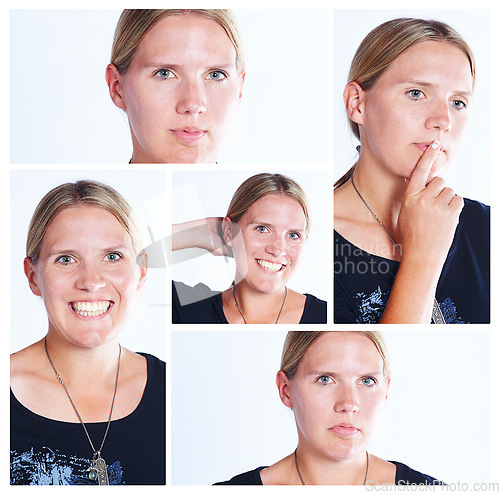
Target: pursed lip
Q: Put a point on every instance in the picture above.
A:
(189, 134)
(424, 146)
(345, 429)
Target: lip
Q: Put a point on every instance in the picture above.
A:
(189, 134)
(91, 310)
(270, 266)
(424, 146)
(344, 430)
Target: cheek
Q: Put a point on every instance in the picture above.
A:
(223, 104)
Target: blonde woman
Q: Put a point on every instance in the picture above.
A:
(407, 248)
(85, 410)
(178, 74)
(265, 229)
(336, 384)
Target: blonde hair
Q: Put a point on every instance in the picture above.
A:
(134, 24)
(260, 185)
(298, 343)
(80, 193)
(384, 44)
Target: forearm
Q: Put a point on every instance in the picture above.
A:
(205, 233)
(412, 294)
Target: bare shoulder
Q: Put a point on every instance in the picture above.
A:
(281, 473)
(25, 362)
(381, 471)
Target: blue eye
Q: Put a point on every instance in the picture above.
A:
(113, 257)
(324, 380)
(294, 235)
(65, 259)
(165, 74)
(415, 94)
(217, 75)
(458, 104)
(368, 381)
(262, 229)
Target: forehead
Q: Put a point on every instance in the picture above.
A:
(342, 352)
(434, 62)
(85, 223)
(186, 36)
(275, 207)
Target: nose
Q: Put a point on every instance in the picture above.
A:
(89, 279)
(439, 117)
(192, 99)
(347, 400)
(276, 246)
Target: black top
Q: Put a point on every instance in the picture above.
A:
(364, 281)
(199, 304)
(404, 476)
(48, 452)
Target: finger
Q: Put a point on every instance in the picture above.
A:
(457, 203)
(446, 195)
(420, 174)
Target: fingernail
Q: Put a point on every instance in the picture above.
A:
(435, 145)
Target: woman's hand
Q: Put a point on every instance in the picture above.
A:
(205, 233)
(427, 223)
(429, 214)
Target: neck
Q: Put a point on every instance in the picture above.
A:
(256, 305)
(384, 192)
(80, 364)
(316, 469)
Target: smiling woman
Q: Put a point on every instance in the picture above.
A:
(405, 243)
(336, 384)
(179, 76)
(265, 229)
(84, 259)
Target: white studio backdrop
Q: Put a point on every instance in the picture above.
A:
(60, 102)
(227, 417)
(469, 175)
(145, 191)
(199, 194)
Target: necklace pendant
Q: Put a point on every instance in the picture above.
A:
(98, 470)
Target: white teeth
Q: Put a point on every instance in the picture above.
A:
(270, 267)
(90, 308)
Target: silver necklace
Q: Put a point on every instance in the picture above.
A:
(241, 312)
(97, 469)
(302, 480)
(437, 315)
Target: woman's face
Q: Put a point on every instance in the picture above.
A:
(337, 394)
(87, 275)
(268, 242)
(421, 97)
(181, 91)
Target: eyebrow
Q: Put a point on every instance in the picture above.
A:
(257, 222)
(323, 372)
(156, 65)
(426, 84)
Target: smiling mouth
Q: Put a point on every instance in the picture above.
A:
(270, 267)
(90, 309)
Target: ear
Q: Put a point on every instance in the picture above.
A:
(283, 385)
(387, 389)
(115, 85)
(242, 82)
(354, 101)
(228, 231)
(142, 261)
(29, 270)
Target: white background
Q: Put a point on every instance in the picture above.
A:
(227, 417)
(73, 122)
(207, 194)
(469, 175)
(60, 102)
(145, 192)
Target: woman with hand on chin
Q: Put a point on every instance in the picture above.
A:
(85, 410)
(336, 384)
(407, 248)
(178, 74)
(265, 230)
